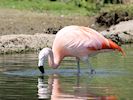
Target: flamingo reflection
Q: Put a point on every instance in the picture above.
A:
(44, 89)
(53, 90)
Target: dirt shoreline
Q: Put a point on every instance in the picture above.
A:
(121, 33)
(22, 31)
(24, 43)
(26, 22)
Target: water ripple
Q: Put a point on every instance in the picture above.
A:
(68, 72)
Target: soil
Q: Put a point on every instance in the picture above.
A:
(121, 33)
(22, 31)
(26, 22)
(109, 19)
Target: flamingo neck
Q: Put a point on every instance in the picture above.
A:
(53, 60)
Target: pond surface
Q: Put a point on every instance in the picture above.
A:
(21, 80)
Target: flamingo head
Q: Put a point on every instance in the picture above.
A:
(114, 46)
(43, 55)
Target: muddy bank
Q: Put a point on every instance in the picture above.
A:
(22, 31)
(121, 33)
(24, 43)
(26, 22)
(108, 19)
(18, 29)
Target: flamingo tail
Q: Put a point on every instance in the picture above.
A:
(114, 46)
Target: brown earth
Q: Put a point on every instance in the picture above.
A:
(26, 22)
(108, 19)
(25, 30)
(22, 31)
(121, 33)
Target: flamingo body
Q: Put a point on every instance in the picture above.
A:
(77, 41)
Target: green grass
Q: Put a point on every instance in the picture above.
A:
(43, 5)
(66, 8)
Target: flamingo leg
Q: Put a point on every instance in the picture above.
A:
(91, 70)
(78, 65)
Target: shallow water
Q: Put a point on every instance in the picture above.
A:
(21, 80)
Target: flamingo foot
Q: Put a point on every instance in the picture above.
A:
(78, 73)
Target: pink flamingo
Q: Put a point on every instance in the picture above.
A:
(76, 41)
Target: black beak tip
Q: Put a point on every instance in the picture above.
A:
(41, 69)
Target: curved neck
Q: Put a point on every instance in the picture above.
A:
(52, 60)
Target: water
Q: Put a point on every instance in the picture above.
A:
(21, 80)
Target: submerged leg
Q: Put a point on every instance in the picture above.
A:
(78, 65)
(91, 70)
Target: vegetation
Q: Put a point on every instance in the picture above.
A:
(80, 7)
(77, 7)
(43, 5)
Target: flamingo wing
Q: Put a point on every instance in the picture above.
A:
(77, 41)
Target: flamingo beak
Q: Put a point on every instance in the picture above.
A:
(40, 65)
(41, 69)
(116, 47)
